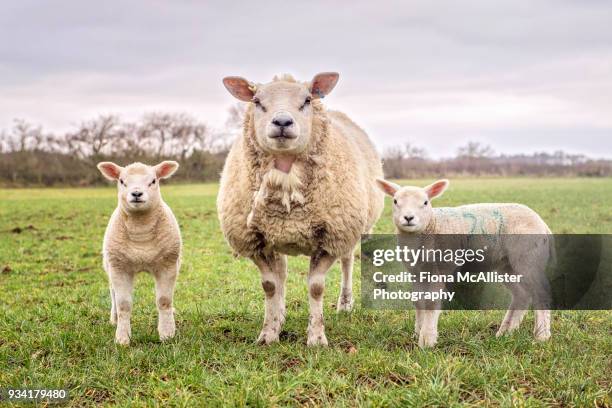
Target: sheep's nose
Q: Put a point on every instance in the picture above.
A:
(136, 194)
(408, 219)
(282, 121)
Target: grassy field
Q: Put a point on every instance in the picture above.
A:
(54, 329)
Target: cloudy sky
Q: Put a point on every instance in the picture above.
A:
(522, 76)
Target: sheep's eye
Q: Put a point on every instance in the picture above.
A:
(426, 202)
(151, 183)
(121, 181)
(395, 202)
(306, 102)
(257, 103)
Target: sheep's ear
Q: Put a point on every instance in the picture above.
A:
(240, 88)
(437, 188)
(323, 83)
(110, 170)
(166, 169)
(387, 187)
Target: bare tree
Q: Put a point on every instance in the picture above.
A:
(475, 150)
(235, 117)
(93, 137)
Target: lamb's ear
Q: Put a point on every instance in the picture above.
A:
(166, 169)
(323, 83)
(387, 187)
(240, 88)
(110, 170)
(437, 188)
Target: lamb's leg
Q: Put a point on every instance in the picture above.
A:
(165, 281)
(516, 311)
(113, 312)
(428, 312)
(418, 321)
(345, 301)
(541, 305)
(123, 284)
(428, 334)
(272, 283)
(320, 263)
(535, 284)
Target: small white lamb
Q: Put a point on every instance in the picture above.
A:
(413, 214)
(142, 235)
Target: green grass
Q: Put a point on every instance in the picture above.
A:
(54, 329)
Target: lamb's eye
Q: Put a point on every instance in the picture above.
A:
(257, 103)
(151, 183)
(426, 202)
(395, 202)
(121, 181)
(306, 102)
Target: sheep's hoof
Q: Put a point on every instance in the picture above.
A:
(166, 333)
(344, 304)
(506, 329)
(122, 339)
(427, 340)
(542, 335)
(267, 337)
(316, 337)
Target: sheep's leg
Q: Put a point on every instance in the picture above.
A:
(418, 321)
(123, 284)
(541, 328)
(427, 314)
(428, 333)
(516, 311)
(113, 312)
(272, 283)
(165, 281)
(542, 301)
(345, 301)
(537, 287)
(320, 263)
(280, 269)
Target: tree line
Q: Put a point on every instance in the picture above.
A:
(477, 159)
(29, 155)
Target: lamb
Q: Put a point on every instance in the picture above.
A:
(142, 235)
(413, 214)
(299, 181)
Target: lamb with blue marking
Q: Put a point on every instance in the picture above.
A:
(414, 214)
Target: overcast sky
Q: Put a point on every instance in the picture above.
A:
(520, 76)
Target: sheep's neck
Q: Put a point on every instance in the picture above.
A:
(141, 227)
(284, 163)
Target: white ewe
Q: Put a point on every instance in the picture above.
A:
(300, 180)
(414, 214)
(142, 235)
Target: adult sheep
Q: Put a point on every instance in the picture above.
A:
(299, 181)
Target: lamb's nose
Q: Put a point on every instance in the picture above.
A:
(136, 194)
(408, 219)
(282, 121)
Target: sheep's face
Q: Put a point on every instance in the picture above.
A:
(412, 210)
(282, 117)
(282, 112)
(138, 184)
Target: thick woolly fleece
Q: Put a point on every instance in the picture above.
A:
(142, 242)
(326, 201)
